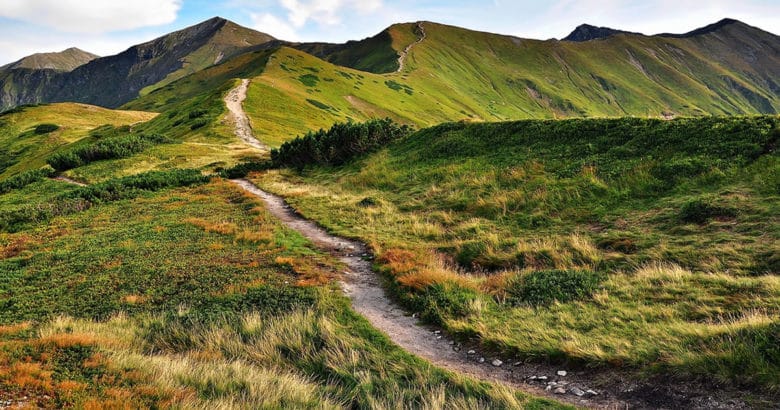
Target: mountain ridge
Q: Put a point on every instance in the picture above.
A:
(65, 60)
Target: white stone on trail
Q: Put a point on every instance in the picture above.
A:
(562, 373)
(497, 363)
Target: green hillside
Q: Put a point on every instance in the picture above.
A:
(456, 74)
(26, 142)
(642, 244)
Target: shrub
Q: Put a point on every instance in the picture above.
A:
(700, 211)
(199, 123)
(196, 114)
(109, 148)
(338, 145)
(25, 178)
(46, 128)
(128, 187)
(545, 287)
(243, 169)
(442, 300)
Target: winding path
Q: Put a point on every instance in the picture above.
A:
(405, 52)
(600, 389)
(234, 102)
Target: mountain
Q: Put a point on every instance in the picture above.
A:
(448, 73)
(66, 60)
(586, 32)
(115, 80)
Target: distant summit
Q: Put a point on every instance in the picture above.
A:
(66, 60)
(704, 30)
(586, 32)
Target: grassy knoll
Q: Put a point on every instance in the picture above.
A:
(644, 244)
(28, 135)
(192, 297)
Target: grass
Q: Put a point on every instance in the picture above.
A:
(20, 135)
(469, 220)
(195, 297)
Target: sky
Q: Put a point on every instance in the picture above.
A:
(107, 27)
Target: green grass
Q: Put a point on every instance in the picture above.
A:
(25, 148)
(468, 218)
(198, 298)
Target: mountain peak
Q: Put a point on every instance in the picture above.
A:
(587, 32)
(66, 60)
(706, 29)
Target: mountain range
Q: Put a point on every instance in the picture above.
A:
(449, 73)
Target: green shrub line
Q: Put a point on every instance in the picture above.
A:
(25, 178)
(83, 198)
(338, 145)
(108, 148)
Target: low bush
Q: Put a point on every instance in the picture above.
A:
(443, 300)
(46, 128)
(112, 190)
(109, 148)
(545, 287)
(338, 145)
(700, 211)
(243, 169)
(25, 178)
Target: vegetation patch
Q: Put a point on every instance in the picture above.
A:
(338, 145)
(109, 148)
(701, 210)
(46, 128)
(540, 288)
(309, 80)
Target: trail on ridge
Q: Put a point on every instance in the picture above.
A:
(234, 102)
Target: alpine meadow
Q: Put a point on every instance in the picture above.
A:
(429, 218)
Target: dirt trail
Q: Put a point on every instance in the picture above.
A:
(405, 52)
(600, 389)
(369, 299)
(234, 102)
(68, 180)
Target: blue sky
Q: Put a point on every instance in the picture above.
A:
(108, 27)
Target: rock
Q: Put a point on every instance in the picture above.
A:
(560, 390)
(452, 342)
(548, 388)
(542, 378)
(532, 378)
(481, 360)
(437, 332)
(577, 391)
(456, 348)
(438, 337)
(414, 315)
(562, 373)
(471, 352)
(590, 392)
(517, 364)
(497, 363)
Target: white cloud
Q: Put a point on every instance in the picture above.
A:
(79, 16)
(268, 23)
(326, 12)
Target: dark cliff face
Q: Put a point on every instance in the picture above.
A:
(115, 80)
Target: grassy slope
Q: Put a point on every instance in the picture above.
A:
(459, 74)
(208, 303)
(456, 202)
(23, 150)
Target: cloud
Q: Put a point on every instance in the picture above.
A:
(79, 16)
(268, 23)
(326, 12)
